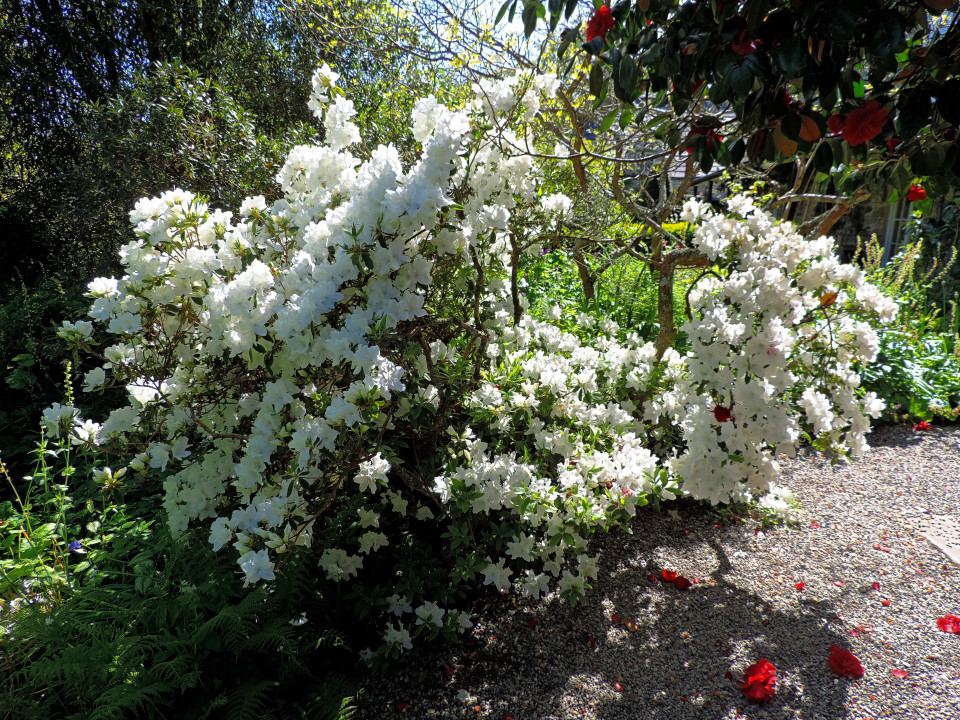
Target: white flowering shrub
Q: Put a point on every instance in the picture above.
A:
(342, 372)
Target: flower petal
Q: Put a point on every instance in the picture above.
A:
(949, 624)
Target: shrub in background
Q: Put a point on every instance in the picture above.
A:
(348, 373)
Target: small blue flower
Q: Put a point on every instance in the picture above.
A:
(76, 547)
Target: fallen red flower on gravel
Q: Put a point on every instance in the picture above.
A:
(682, 583)
(949, 624)
(615, 618)
(885, 603)
(799, 585)
(669, 575)
(902, 674)
(884, 548)
(759, 680)
(843, 662)
(814, 525)
(651, 577)
(922, 425)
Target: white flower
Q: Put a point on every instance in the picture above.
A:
(498, 575)
(257, 566)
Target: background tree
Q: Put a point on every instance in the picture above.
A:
(861, 93)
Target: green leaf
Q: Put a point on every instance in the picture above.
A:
(529, 18)
(626, 117)
(884, 33)
(948, 100)
(792, 56)
(503, 11)
(913, 112)
(838, 24)
(571, 7)
(596, 79)
(627, 74)
(608, 120)
(823, 158)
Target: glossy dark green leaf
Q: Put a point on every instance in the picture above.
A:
(948, 101)
(884, 33)
(823, 158)
(529, 18)
(571, 7)
(556, 7)
(608, 120)
(838, 23)
(627, 73)
(503, 11)
(913, 112)
(595, 46)
(792, 56)
(596, 78)
(790, 126)
(626, 117)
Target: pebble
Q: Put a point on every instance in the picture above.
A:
(684, 652)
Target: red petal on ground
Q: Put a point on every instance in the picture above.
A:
(615, 618)
(449, 671)
(651, 577)
(838, 583)
(814, 525)
(799, 585)
(669, 575)
(897, 672)
(618, 687)
(885, 603)
(876, 586)
(884, 548)
(533, 622)
(949, 624)
(400, 705)
(682, 583)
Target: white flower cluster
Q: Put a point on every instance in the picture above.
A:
(283, 360)
(776, 326)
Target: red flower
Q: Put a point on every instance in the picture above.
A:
(743, 46)
(835, 123)
(682, 583)
(892, 144)
(713, 137)
(758, 681)
(670, 575)
(949, 624)
(843, 662)
(722, 414)
(923, 424)
(600, 23)
(864, 123)
(799, 585)
(916, 192)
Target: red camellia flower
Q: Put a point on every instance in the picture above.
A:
(670, 575)
(835, 124)
(722, 414)
(922, 425)
(864, 123)
(743, 46)
(949, 624)
(916, 192)
(600, 23)
(759, 680)
(843, 662)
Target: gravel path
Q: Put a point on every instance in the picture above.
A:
(682, 652)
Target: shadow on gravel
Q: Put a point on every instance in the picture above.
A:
(672, 664)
